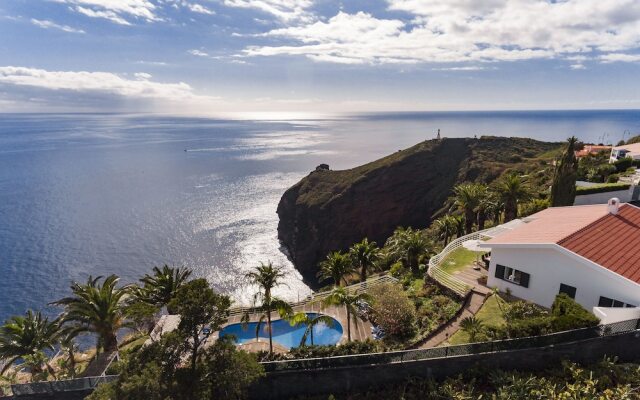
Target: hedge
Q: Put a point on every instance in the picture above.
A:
(610, 187)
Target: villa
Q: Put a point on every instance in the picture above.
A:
(591, 253)
(627, 150)
(591, 149)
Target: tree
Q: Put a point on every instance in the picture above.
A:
(199, 306)
(472, 326)
(486, 205)
(409, 246)
(512, 190)
(160, 288)
(267, 277)
(141, 316)
(96, 308)
(466, 198)
(446, 227)
(393, 310)
(69, 347)
(563, 188)
(364, 255)
(309, 323)
(337, 266)
(27, 336)
(341, 297)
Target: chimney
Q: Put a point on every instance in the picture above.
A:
(613, 205)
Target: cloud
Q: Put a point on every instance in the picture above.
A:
(619, 57)
(469, 68)
(285, 10)
(464, 31)
(46, 24)
(198, 53)
(114, 10)
(200, 9)
(577, 66)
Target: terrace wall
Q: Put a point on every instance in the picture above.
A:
(287, 384)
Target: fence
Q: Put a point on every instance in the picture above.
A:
(316, 297)
(451, 351)
(444, 278)
(68, 385)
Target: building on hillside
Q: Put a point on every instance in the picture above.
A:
(627, 150)
(591, 149)
(591, 253)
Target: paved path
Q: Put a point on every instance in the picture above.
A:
(471, 307)
(470, 276)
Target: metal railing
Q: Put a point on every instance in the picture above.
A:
(451, 351)
(446, 279)
(67, 385)
(317, 297)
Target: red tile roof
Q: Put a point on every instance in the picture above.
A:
(612, 241)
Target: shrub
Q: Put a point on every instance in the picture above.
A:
(349, 348)
(520, 310)
(613, 178)
(611, 187)
(567, 314)
(623, 164)
(393, 311)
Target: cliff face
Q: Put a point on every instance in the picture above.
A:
(330, 210)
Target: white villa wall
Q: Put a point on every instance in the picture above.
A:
(610, 315)
(625, 196)
(549, 267)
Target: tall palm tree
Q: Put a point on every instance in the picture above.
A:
(160, 288)
(446, 228)
(486, 204)
(409, 246)
(364, 255)
(267, 277)
(337, 266)
(466, 198)
(96, 307)
(310, 323)
(27, 336)
(341, 297)
(512, 190)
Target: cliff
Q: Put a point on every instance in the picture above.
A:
(330, 210)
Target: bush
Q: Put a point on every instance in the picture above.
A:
(623, 164)
(520, 310)
(613, 178)
(611, 187)
(349, 348)
(567, 314)
(393, 311)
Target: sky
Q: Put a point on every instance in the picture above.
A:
(211, 57)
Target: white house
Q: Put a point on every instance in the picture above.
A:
(590, 252)
(626, 150)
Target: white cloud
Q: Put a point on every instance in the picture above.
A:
(115, 10)
(200, 9)
(577, 66)
(198, 53)
(46, 24)
(619, 57)
(465, 31)
(285, 10)
(468, 68)
(142, 75)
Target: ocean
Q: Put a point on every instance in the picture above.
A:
(100, 194)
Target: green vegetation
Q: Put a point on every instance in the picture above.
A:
(160, 288)
(364, 256)
(603, 188)
(458, 260)
(563, 189)
(342, 298)
(606, 380)
(490, 315)
(337, 267)
(393, 311)
(310, 323)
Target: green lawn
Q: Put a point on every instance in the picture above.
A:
(489, 314)
(458, 260)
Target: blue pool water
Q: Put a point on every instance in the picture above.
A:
(285, 334)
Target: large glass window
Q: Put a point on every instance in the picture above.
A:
(607, 302)
(512, 275)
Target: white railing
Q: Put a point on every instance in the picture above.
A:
(316, 297)
(448, 280)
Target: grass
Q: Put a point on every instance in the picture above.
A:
(458, 260)
(489, 314)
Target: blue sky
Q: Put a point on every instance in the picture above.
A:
(318, 56)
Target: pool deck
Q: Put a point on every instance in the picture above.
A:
(360, 330)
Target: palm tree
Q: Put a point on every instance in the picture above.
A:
(96, 308)
(446, 227)
(337, 266)
(409, 246)
(472, 326)
(486, 204)
(310, 323)
(466, 198)
(512, 190)
(160, 288)
(364, 255)
(27, 336)
(267, 277)
(341, 297)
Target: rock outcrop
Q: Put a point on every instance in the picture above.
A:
(330, 210)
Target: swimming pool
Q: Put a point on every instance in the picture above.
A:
(285, 334)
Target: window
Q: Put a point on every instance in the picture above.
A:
(512, 275)
(568, 290)
(607, 302)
